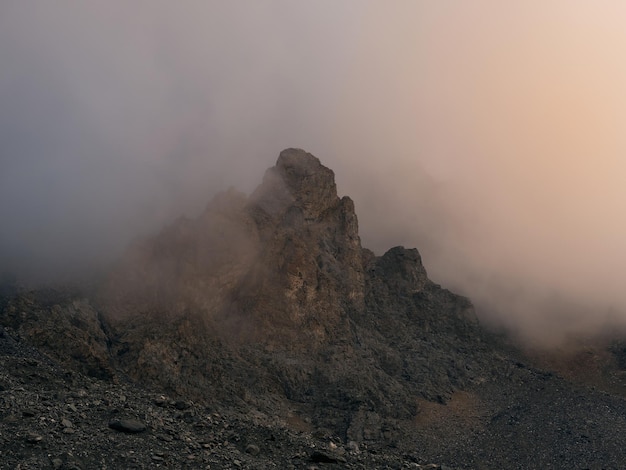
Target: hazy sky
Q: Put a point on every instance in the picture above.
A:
(488, 134)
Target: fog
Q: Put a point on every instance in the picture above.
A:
(487, 134)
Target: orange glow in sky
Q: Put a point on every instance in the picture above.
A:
(518, 111)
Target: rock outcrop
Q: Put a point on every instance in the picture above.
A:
(263, 335)
(68, 329)
(283, 267)
(271, 300)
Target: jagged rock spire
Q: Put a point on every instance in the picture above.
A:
(297, 181)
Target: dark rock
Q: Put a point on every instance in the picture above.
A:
(252, 449)
(33, 438)
(181, 405)
(322, 457)
(127, 425)
(161, 401)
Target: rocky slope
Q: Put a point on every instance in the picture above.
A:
(273, 296)
(279, 342)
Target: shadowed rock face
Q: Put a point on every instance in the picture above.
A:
(274, 295)
(298, 181)
(309, 271)
(68, 328)
(282, 268)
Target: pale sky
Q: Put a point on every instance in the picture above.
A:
(488, 134)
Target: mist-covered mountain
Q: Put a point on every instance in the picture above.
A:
(267, 308)
(275, 291)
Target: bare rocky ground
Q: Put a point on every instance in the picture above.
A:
(262, 335)
(53, 417)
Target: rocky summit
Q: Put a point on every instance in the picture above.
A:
(263, 335)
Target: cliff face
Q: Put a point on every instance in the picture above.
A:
(281, 268)
(270, 302)
(273, 296)
(267, 309)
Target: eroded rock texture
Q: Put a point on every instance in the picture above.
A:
(272, 300)
(262, 335)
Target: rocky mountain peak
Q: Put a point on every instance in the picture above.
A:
(299, 183)
(403, 269)
(272, 299)
(304, 172)
(263, 330)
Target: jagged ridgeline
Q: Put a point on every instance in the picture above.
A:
(271, 301)
(262, 335)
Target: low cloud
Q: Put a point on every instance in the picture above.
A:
(486, 134)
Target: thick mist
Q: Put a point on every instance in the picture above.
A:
(487, 134)
(118, 117)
